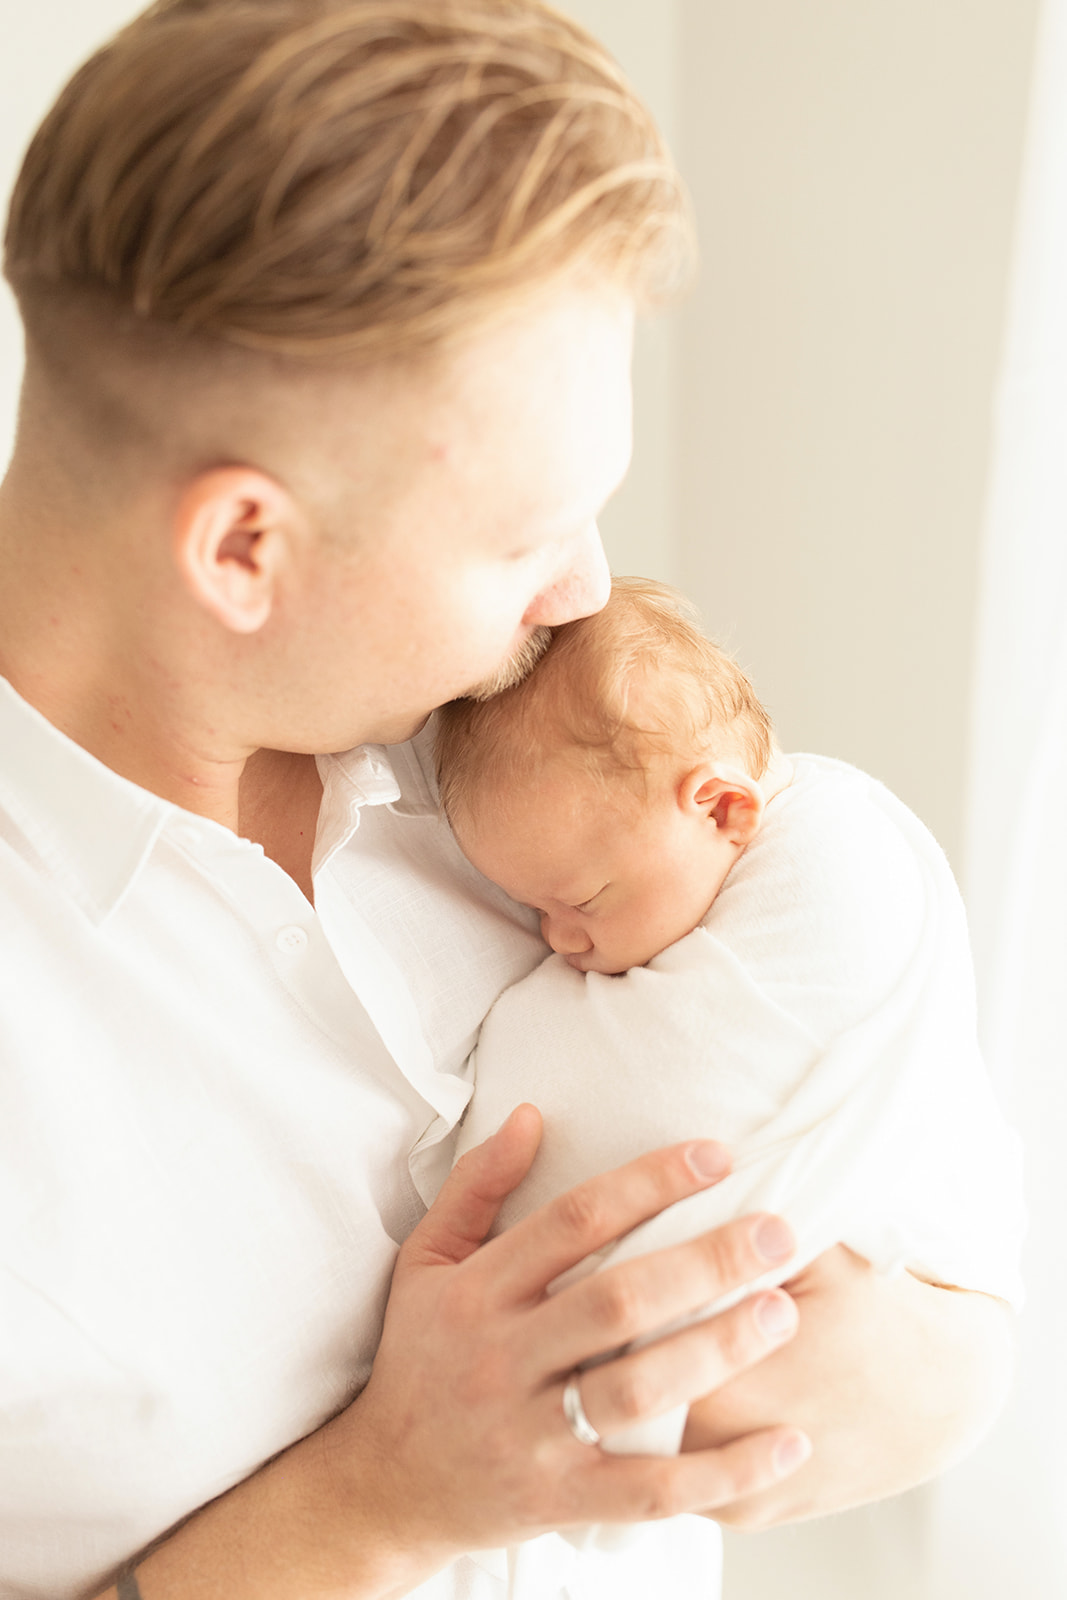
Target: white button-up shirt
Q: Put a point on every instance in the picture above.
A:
(219, 1111)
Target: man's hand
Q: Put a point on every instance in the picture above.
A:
(892, 1379)
(465, 1398)
(459, 1442)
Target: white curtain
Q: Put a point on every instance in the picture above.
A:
(998, 1524)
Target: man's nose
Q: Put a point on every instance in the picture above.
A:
(580, 591)
(565, 935)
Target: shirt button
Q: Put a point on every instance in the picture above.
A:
(291, 939)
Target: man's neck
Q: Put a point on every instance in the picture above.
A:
(269, 796)
(149, 735)
(280, 797)
(94, 660)
(120, 721)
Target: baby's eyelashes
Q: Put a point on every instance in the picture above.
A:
(554, 907)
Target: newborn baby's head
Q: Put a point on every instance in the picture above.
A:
(614, 788)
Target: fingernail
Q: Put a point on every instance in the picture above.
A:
(708, 1160)
(776, 1315)
(792, 1453)
(773, 1239)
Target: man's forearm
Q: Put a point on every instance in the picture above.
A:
(893, 1380)
(289, 1529)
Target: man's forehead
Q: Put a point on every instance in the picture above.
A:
(548, 358)
(530, 422)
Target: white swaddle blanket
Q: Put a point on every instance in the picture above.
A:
(820, 1022)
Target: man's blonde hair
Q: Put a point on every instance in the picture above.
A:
(341, 177)
(636, 684)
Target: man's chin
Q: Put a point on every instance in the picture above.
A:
(514, 670)
(392, 732)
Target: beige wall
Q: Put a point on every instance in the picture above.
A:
(854, 165)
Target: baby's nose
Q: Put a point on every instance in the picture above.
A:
(566, 936)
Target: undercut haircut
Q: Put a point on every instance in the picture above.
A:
(635, 685)
(351, 178)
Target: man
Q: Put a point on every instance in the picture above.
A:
(328, 308)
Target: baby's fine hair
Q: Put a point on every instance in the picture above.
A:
(635, 683)
(343, 178)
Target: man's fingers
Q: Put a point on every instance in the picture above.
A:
(675, 1371)
(622, 1303)
(639, 1489)
(576, 1224)
(706, 1480)
(464, 1211)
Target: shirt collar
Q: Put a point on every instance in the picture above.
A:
(366, 772)
(413, 764)
(350, 780)
(90, 829)
(400, 776)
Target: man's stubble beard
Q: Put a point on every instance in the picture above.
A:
(514, 669)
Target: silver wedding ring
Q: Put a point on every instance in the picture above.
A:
(574, 1411)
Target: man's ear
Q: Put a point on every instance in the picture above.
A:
(232, 530)
(727, 796)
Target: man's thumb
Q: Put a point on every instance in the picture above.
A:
(464, 1211)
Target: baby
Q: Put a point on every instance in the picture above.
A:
(766, 950)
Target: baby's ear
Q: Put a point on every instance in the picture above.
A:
(727, 797)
